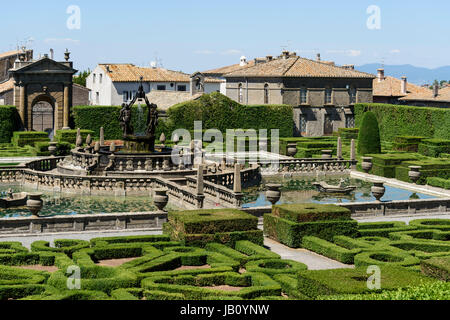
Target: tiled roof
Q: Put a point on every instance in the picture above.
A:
(9, 54)
(131, 73)
(7, 85)
(392, 87)
(443, 96)
(229, 69)
(294, 66)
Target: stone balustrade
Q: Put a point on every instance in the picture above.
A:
(306, 166)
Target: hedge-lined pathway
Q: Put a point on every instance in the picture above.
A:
(311, 259)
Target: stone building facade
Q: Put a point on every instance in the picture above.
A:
(321, 93)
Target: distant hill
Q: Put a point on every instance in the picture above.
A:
(416, 75)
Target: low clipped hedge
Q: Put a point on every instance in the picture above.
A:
(348, 133)
(354, 281)
(253, 285)
(291, 233)
(310, 212)
(382, 229)
(439, 182)
(380, 258)
(439, 168)
(407, 143)
(224, 226)
(434, 147)
(330, 250)
(29, 138)
(438, 267)
(66, 246)
(272, 267)
(438, 224)
(70, 136)
(385, 165)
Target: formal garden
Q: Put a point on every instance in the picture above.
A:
(219, 254)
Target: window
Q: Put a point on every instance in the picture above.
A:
(328, 95)
(125, 96)
(266, 94)
(101, 78)
(94, 78)
(182, 88)
(97, 97)
(303, 124)
(349, 121)
(303, 96)
(241, 94)
(352, 94)
(161, 88)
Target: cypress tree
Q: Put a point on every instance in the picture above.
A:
(369, 135)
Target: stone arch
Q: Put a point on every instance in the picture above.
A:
(43, 115)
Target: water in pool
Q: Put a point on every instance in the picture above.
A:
(302, 190)
(61, 204)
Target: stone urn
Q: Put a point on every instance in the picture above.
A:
(378, 190)
(161, 199)
(292, 149)
(52, 148)
(414, 173)
(35, 203)
(367, 164)
(273, 193)
(327, 154)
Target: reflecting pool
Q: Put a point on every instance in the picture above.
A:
(302, 190)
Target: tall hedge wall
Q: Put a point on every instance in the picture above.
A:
(215, 110)
(219, 112)
(9, 122)
(95, 117)
(398, 120)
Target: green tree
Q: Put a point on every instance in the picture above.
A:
(369, 135)
(80, 78)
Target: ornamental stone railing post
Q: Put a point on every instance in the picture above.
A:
(200, 183)
(353, 153)
(339, 149)
(237, 185)
(102, 136)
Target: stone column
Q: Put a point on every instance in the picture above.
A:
(353, 153)
(22, 102)
(237, 186)
(200, 180)
(66, 108)
(102, 136)
(339, 149)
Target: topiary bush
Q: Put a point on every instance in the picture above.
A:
(369, 135)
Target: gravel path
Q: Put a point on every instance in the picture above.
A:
(311, 259)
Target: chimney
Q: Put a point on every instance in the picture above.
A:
(52, 54)
(404, 85)
(380, 75)
(318, 57)
(349, 66)
(285, 54)
(269, 58)
(243, 61)
(435, 90)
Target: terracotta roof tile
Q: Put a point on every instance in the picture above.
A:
(7, 85)
(131, 73)
(392, 87)
(299, 67)
(229, 69)
(443, 96)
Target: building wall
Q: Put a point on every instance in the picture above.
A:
(287, 91)
(101, 90)
(80, 96)
(433, 104)
(7, 98)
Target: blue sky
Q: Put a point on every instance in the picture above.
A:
(200, 35)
